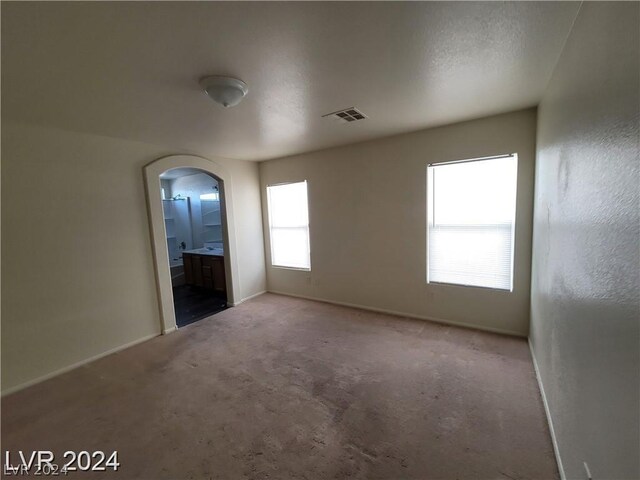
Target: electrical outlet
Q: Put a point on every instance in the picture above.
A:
(587, 471)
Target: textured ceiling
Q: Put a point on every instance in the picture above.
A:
(179, 172)
(131, 69)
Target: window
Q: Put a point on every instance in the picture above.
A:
(212, 197)
(471, 216)
(289, 225)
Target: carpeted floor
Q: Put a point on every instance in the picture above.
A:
(284, 388)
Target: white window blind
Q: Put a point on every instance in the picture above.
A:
(289, 225)
(471, 217)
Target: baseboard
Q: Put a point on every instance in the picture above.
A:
(556, 450)
(247, 298)
(405, 314)
(73, 366)
(68, 368)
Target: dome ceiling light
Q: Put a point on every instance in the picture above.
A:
(226, 91)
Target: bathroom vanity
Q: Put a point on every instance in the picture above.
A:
(204, 267)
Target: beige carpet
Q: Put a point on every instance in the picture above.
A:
(283, 388)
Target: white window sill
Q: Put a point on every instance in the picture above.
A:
(299, 269)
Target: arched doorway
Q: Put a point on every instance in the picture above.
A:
(152, 174)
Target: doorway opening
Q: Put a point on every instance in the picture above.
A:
(194, 229)
(160, 251)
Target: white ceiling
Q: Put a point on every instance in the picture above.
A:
(131, 69)
(179, 172)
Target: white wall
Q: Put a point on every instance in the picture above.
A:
(367, 207)
(193, 186)
(77, 267)
(585, 287)
(166, 185)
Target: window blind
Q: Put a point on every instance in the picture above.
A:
(289, 225)
(471, 218)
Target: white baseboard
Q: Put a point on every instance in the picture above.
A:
(73, 366)
(404, 314)
(247, 298)
(68, 368)
(556, 450)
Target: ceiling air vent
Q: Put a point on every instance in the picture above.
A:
(350, 114)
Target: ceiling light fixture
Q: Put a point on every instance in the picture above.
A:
(226, 91)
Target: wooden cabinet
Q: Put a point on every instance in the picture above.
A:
(205, 271)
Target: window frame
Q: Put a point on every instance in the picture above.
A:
(430, 192)
(269, 226)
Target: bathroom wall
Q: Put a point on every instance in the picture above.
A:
(76, 249)
(368, 211)
(193, 186)
(178, 228)
(166, 186)
(585, 304)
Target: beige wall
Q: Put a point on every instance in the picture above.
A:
(367, 207)
(585, 316)
(77, 267)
